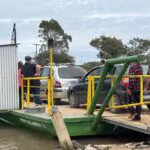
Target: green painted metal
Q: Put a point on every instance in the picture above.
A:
(128, 59)
(98, 89)
(109, 63)
(109, 95)
(80, 126)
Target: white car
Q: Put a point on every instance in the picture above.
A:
(65, 75)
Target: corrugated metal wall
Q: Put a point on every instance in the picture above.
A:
(9, 98)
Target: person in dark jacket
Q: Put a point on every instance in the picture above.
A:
(32, 70)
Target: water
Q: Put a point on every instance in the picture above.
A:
(12, 138)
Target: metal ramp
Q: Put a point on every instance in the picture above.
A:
(121, 120)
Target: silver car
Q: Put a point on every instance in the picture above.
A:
(65, 75)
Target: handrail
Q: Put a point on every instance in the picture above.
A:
(36, 78)
(28, 87)
(91, 90)
(50, 80)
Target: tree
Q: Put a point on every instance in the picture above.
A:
(108, 47)
(63, 57)
(42, 58)
(52, 29)
(139, 45)
(58, 57)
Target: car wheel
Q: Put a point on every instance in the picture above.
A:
(74, 101)
(117, 101)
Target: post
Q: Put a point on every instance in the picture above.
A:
(93, 87)
(61, 129)
(22, 94)
(28, 92)
(111, 103)
(141, 90)
(89, 93)
(98, 89)
(109, 95)
(48, 95)
(50, 45)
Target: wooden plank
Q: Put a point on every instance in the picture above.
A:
(61, 130)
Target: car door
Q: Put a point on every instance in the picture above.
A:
(83, 86)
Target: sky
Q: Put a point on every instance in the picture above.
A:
(82, 19)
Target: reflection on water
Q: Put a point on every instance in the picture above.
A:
(8, 145)
(17, 139)
(12, 138)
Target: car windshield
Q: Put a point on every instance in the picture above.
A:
(70, 72)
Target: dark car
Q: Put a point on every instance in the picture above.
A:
(77, 94)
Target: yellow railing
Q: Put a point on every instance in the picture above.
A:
(26, 94)
(91, 90)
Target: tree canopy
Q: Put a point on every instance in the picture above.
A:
(111, 47)
(108, 47)
(139, 45)
(58, 57)
(52, 29)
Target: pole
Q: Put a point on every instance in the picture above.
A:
(28, 92)
(36, 48)
(109, 95)
(22, 94)
(50, 46)
(51, 76)
(48, 96)
(98, 89)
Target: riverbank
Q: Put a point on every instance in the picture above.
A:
(145, 145)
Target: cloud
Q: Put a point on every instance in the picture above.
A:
(115, 15)
(24, 20)
(82, 19)
(6, 20)
(144, 26)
